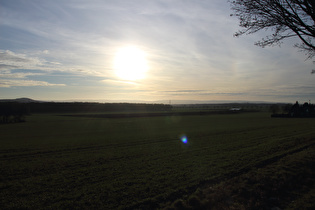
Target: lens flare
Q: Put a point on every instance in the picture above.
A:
(184, 139)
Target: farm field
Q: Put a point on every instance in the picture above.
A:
(63, 162)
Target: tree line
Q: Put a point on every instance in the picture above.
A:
(295, 110)
(12, 112)
(81, 107)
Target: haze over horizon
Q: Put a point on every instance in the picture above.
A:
(142, 51)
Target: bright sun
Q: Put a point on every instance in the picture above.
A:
(130, 63)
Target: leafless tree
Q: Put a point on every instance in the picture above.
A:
(284, 18)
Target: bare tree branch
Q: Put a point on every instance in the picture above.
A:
(284, 18)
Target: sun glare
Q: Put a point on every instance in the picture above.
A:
(130, 63)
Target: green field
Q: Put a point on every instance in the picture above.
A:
(68, 162)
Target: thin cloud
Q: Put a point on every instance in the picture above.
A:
(201, 92)
(19, 75)
(184, 91)
(7, 67)
(25, 83)
(119, 83)
(11, 60)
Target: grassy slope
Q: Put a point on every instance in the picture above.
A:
(63, 162)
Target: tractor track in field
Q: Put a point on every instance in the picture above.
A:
(269, 161)
(293, 149)
(229, 176)
(258, 165)
(7, 154)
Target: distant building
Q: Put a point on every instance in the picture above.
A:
(236, 109)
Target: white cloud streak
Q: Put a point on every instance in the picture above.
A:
(11, 60)
(24, 83)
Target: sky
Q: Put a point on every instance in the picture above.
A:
(172, 50)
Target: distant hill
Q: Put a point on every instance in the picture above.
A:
(19, 100)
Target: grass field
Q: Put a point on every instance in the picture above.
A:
(84, 162)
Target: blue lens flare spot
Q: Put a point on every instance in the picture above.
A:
(184, 139)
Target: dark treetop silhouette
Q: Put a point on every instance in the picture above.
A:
(284, 18)
(306, 110)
